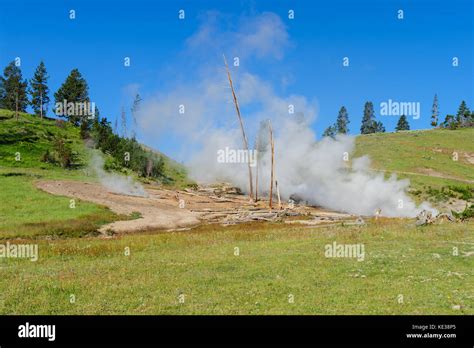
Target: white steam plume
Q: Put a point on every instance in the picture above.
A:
(315, 171)
(113, 182)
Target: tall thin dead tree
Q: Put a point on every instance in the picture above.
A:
(256, 170)
(278, 194)
(272, 145)
(124, 123)
(246, 146)
(135, 108)
(149, 167)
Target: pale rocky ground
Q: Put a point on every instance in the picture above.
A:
(174, 210)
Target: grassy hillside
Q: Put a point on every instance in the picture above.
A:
(173, 170)
(428, 159)
(26, 211)
(31, 137)
(419, 154)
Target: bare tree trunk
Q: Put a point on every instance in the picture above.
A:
(278, 194)
(41, 104)
(241, 127)
(16, 106)
(273, 162)
(256, 182)
(257, 141)
(149, 167)
(124, 123)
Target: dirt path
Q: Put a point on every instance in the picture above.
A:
(155, 212)
(427, 172)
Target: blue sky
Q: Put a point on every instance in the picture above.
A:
(404, 60)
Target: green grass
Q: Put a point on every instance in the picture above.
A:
(28, 212)
(275, 261)
(30, 137)
(415, 151)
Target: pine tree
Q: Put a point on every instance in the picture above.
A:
(330, 131)
(85, 127)
(379, 127)
(463, 114)
(450, 122)
(368, 120)
(434, 112)
(74, 90)
(96, 120)
(96, 114)
(342, 121)
(13, 95)
(39, 90)
(402, 124)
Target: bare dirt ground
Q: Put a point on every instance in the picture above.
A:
(155, 213)
(433, 173)
(175, 210)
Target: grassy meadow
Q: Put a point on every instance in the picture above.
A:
(276, 269)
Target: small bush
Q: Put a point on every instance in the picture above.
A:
(61, 155)
(47, 157)
(439, 195)
(63, 152)
(467, 213)
(466, 193)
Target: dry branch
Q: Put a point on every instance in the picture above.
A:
(241, 126)
(273, 162)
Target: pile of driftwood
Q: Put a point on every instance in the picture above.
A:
(427, 218)
(238, 216)
(218, 190)
(233, 207)
(232, 217)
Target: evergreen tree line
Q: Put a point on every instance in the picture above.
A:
(463, 118)
(17, 94)
(14, 91)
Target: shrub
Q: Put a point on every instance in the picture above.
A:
(467, 213)
(466, 193)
